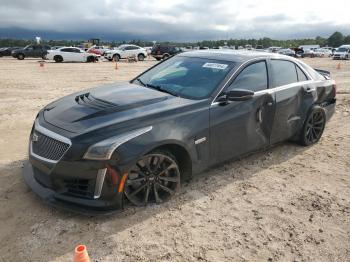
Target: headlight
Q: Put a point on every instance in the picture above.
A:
(104, 149)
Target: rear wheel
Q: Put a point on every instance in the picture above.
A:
(20, 56)
(58, 59)
(313, 126)
(155, 178)
(166, 56)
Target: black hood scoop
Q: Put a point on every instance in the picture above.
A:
(88, 100)
(102, 106)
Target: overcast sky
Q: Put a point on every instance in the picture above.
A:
(181, 20)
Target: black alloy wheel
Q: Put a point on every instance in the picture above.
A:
(153, 179)
(314, 126)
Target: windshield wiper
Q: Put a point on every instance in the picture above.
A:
(158, 88)
(161, 89)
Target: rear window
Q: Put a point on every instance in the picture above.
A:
(283, 72)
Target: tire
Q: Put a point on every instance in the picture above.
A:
(140, 57)
(116, 57)
(166, 56)
(158, 58)
(313, 127)
(58, 58)
(110, 59)
(20, 56)
(155, 178)
(90, 59)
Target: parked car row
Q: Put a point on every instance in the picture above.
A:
(158, 51)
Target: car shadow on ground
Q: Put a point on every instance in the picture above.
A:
(59, 231)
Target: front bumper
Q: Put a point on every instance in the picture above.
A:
(66, 180)
(108, 55)
(64, 201)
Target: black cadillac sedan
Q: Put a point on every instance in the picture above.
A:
(136, 142)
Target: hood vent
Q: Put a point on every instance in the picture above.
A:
(88, 100)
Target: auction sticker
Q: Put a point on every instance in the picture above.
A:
(215, 66)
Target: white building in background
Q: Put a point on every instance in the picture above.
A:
(309, 47)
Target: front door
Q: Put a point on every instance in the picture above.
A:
(240, 127)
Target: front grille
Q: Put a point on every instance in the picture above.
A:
(48, 147)
(79, 187)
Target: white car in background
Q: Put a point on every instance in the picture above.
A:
(70, 54)
(342, 52)
(322, 52)
(125, 51)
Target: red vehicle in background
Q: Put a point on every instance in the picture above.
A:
(98, 50)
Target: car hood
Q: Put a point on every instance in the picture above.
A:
(115, 104)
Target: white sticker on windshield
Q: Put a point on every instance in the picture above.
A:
(215, 66)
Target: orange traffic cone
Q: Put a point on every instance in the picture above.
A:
(81, 254)
(338, 66)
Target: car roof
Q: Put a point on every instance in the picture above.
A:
(238, 56)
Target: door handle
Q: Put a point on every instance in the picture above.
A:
(309, 89)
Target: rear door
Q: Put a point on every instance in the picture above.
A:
(290, 85)
(37, 52)
(239, 127)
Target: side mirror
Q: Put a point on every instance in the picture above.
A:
(238, 95)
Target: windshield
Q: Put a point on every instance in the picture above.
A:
(342, 49)
(188, 77)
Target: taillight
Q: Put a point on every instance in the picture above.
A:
(335, 89)
(158, 51)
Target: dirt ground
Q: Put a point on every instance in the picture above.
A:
(289, 203)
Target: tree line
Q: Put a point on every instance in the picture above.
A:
(334, 40)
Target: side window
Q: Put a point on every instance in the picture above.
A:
(283, 72)
(253, 77)
(65, 50)
(301, 74)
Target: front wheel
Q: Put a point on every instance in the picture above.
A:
(313, 126)
(116, 58)
(155, 178)
(140, 57)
